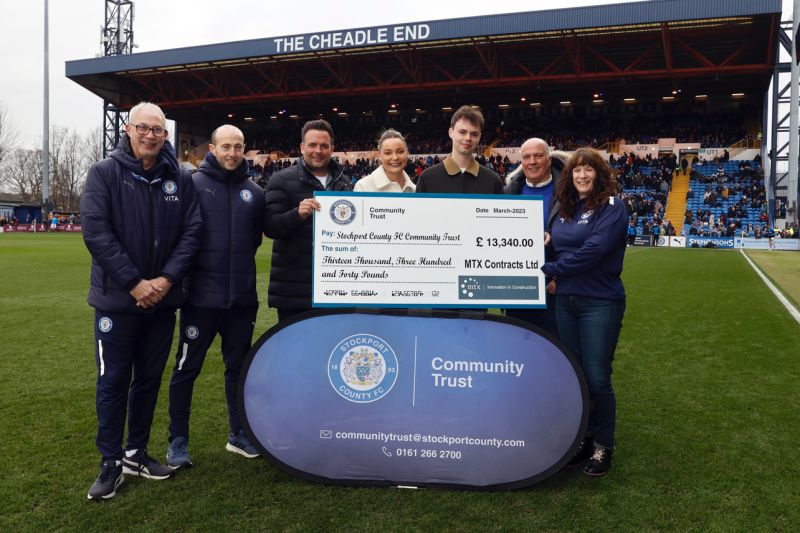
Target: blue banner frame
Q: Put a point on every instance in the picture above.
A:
(285, 374)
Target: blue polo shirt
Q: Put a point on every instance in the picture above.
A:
(545, 191)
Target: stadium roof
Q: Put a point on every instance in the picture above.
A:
(654, 45)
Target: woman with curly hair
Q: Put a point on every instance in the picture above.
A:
(587, 231)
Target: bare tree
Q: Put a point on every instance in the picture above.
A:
(59, 178)
(8, 133)
(67, 166)
(71, 155)
(21, 174)
(92, 150)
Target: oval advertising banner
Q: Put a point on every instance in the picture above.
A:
(383, 398)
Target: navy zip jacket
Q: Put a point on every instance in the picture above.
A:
(290, 276)
(589, 250)
(224, 274)
(138, 225)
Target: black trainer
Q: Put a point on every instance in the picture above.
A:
(583, 452)
(141, 464)
(599, 463)
(105, 486)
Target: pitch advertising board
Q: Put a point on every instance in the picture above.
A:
(763, 244)
(694, 241)
(466, 400)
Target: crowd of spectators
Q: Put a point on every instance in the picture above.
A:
(730, 199)
(62, 218)
(570, 132)
(363, 167)
(733, 202)
(645, 183)
(509, 128)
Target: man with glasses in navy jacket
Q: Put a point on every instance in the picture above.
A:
(142, 225)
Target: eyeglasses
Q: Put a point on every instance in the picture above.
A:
(144, 129)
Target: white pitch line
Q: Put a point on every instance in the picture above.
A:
(781, 298)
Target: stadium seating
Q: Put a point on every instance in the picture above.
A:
(745, 192)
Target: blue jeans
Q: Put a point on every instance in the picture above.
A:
(590, 328)
(541, 318)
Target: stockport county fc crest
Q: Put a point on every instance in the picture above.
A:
(192, 332)
(105, 324)
(343, 212)
(362, 368)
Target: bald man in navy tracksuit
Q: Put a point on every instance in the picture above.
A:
(141, 224)
(221, 290)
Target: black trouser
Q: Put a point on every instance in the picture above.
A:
(129, 344)
(199, 326)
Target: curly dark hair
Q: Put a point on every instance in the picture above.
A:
(605, 184)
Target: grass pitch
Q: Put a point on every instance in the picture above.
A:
(706, 375)
(783, 268)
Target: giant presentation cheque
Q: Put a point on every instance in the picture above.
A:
(428, 250)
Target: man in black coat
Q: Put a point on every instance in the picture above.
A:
(290, 204)
(221, 293)
(141, 224)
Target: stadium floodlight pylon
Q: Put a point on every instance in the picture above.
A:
(794, 133)
(785, 129)
(116, 39)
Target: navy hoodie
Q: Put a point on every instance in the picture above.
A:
(589, 251)
(224, 274)
(138, 225)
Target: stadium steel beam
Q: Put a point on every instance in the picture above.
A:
(117, 39)
(667, 46)
(794, 110)
(198, 88)
(782, 182)
(410, 63)
(727, 55)
(113, 122)
(188, 94)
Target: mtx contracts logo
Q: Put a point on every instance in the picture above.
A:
(468, 287)
(343, 212)
(362, 368)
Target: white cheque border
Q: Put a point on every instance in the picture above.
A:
(466, 228)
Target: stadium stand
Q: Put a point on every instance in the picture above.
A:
(727, 199)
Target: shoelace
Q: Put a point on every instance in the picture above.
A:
(142, 460)
(599, 454)
(108, 471)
